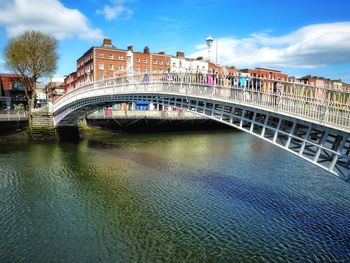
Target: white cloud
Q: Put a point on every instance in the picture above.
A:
(115, 10)
(308, 47)
(48, 16)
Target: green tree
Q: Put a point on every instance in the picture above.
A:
(32, 55)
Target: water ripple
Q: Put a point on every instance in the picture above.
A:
(188, 198)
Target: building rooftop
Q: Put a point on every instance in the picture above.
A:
(268, 69)
(9, 75)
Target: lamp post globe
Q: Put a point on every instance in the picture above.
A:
(209, 40)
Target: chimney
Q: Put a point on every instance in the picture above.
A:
(162, 52)
(107, 42)
(199, 58)
(131, 48)
(146, 50)
(180, 54)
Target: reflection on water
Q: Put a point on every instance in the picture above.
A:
(217, 197)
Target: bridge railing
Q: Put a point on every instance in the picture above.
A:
(324, 105)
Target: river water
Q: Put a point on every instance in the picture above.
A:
(187, 197)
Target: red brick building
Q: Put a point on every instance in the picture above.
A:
(101, 62)
(266, 73)
(229, 70)
(316, 81)
(12, 91)
(212, 67)
(70, 82)
(160, 62)
(55, 88)
(141, 61)
(346, 87)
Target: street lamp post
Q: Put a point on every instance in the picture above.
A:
(209, 40)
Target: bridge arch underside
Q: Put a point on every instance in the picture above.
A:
(325, 147)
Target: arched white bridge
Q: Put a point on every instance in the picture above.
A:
(311, 122)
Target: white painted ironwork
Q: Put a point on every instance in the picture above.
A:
(311, 122)
(146, 114)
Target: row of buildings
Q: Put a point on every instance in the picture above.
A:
(12, 92)
(107, 61)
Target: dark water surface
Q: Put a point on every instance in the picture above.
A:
(200, 197)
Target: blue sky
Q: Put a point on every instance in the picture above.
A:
(298, 37)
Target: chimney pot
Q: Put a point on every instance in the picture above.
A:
(107, 42)
(180, 54)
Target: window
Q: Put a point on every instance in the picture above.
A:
(160, 62)
(101, 55)
(120, 57)
(111, 56)
(154, 70)
(144, 70)
(197, 67)
(137, 69)
(167, 62)
(180, 65)
(111, 66)
(154, 61)
(101, 66)
(137, 60)
(120, 67)
(101, 77)
(174, 64)
(145, 60)
(203, 67)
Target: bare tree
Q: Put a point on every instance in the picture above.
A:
(32, 55)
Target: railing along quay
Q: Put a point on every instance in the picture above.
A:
(13, 116)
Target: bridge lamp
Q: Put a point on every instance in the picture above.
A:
(209, 40)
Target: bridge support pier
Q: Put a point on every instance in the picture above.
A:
(43, 127)
(69, 133)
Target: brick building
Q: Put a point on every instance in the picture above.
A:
(160, 62)
(229, 70)
(322, 82)
(346, 87)
(101, 62)
(266, 73)
(315, 81)
(141, 61)
(212, 67)
(70, 82)
(55, 88)
(107, 61)
(12, 92)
